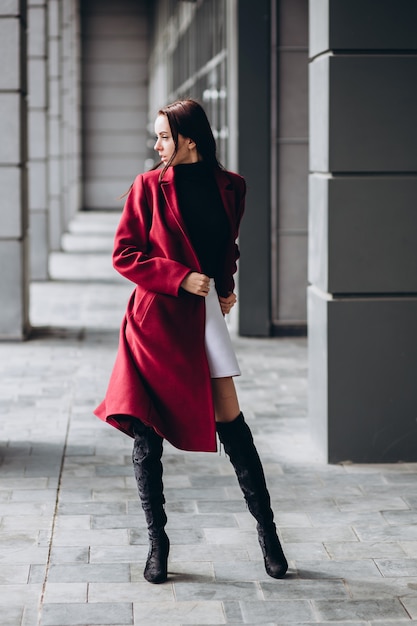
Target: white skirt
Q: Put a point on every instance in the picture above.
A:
(220, 354)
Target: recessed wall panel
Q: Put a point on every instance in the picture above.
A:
(362, 25)
(372, 235)
(292, 269)
(370, 25)
(372, 100)
(372, 393)
(293, 112)
(293, 186)
(293, 22)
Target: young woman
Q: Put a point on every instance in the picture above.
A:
(173, 376)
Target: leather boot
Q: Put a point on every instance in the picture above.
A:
(237, 440)
(146, 457)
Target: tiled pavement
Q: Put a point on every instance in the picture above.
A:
(73, 542)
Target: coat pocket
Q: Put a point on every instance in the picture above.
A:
(141, 304)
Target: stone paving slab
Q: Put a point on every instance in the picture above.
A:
(72, 536)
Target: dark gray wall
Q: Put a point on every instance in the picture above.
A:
(363, 229)
(254, 164)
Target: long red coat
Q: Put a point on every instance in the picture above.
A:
(161, 374)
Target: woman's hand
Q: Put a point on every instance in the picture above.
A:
(227, 303)
(198, 284)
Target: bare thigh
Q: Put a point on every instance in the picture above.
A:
(226, 404)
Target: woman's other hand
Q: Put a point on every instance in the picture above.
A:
(227, 303)
(198, 284)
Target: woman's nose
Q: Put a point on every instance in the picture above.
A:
(156, 144)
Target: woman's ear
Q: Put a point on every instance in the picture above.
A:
(191, 144)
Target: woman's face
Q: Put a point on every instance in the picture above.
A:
(165, 146)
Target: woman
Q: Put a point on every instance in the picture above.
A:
(173, 373)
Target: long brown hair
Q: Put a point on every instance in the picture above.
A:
(188, 118)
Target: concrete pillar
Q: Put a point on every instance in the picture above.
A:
(38, 138)
(56, 217)
(14, 275)
(76, 132)
(63, 116)
(363, 229)
(254, 164)
(70, 125)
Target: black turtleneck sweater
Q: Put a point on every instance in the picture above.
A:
(204, 215)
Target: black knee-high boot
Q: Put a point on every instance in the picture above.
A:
(146, 457)
(237, 440)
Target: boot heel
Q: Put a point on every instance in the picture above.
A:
(156, 568)
(274, 559)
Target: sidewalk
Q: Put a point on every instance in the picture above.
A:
(73, 541)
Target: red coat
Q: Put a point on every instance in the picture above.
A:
(161, 375)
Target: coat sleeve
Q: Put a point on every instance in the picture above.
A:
(131, 255)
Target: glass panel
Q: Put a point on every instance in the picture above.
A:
(199, 67)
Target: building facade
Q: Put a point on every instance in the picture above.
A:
(248, 64)
(89, 77)
(296, 92)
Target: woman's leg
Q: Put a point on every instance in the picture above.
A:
(226, 404)
(237, 440)
(146, 457)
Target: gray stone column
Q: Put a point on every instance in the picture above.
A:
(38, 138)
(14, 275)
(76, 148)
(63, 116)
(70, 177)
(363, 229)
(56, 218)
